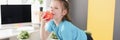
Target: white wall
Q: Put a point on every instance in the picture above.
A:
(0, 16)
(35, 12)
(3, 2)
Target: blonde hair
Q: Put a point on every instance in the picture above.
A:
(65, 6)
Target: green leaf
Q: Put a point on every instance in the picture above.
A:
(23, 35)
(41, 1)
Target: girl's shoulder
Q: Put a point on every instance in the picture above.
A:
(68, 24)
(65, 22)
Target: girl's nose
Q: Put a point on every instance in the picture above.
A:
(51, 10)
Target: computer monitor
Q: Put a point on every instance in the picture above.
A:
(15, 14)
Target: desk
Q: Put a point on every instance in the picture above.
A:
(12, 33)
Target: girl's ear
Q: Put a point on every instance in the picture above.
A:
(64, 12)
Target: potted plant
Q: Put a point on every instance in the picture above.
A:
(41, 1)
(41, 7)
(24, 35)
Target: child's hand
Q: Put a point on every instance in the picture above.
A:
(46, 16)
(42, 19)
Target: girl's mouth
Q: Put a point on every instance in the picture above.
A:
(53, 14)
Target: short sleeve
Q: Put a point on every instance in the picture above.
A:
(66, 31)
(67, 35)
(71, 32)
(82, 35)
(48, 26)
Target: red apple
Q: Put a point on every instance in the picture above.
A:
(48, 15)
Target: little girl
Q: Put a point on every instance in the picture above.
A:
(60, 24)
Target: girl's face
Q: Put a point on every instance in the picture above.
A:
(57, 9)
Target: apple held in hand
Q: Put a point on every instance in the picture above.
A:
(48, 15)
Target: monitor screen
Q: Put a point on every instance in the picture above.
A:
(15, 14)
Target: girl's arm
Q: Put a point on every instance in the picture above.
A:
(43, 33)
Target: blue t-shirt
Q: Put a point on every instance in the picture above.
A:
(66, 31)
